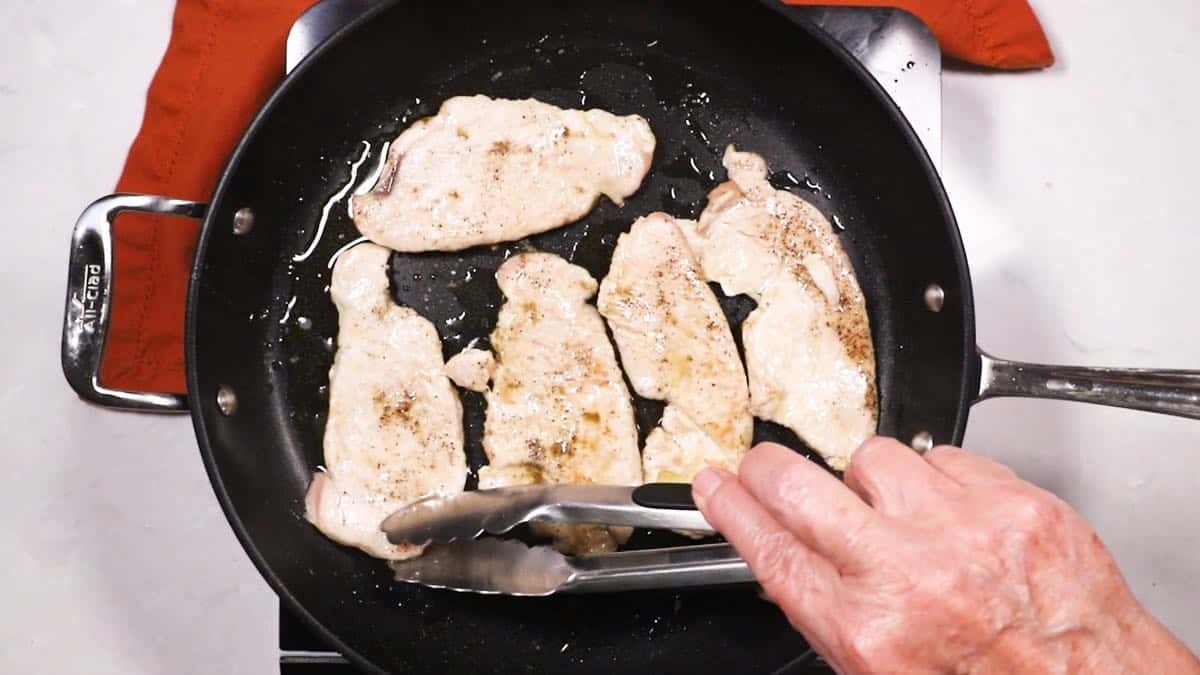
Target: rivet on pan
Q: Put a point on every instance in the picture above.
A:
(922, 441)
(243, 221)
(935, 298)
(226, 401)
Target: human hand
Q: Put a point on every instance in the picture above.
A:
(934, 564)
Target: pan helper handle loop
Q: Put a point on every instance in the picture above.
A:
(89, 295)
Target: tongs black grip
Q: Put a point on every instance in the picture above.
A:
(664, 496)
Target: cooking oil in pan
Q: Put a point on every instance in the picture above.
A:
(333, 200)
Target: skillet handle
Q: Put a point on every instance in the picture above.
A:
(89, 289)
(1171, 392)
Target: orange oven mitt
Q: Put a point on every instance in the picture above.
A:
(224, 58)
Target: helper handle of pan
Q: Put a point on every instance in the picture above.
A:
(89, 295)
(1171, 392)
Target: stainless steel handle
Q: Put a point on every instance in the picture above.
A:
(1171, 392)
(686, 566)
(89, 290)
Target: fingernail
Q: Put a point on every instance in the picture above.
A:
(706, 482)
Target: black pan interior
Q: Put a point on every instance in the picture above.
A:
(261, 322)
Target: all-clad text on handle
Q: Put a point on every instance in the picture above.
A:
(89, 292)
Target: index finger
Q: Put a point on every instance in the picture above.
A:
(967, 468)
(793, 576)
(810, 502)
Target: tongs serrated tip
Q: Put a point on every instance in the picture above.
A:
(457, 560)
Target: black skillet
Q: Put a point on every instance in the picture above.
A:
(260, 322)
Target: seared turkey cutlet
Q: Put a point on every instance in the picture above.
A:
(808, 345)
(485, 170)
(676, 346)
(394, 433)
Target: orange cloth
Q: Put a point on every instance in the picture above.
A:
(223, 59)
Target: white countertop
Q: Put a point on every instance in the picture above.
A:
(1074, 189)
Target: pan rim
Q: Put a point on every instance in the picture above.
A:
(970, 368)
(261, 118)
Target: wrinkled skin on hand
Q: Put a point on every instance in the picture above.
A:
(946, 563)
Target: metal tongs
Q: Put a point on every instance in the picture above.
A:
(458, 560)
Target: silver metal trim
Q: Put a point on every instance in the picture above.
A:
(243, 221)
(922, 442)
(316, 24)
(900, 52)
(935, 298)
(1170, 392)
(88, 307)
(308, 657)
(227, 401)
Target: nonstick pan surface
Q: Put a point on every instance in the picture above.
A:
(261, 324)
